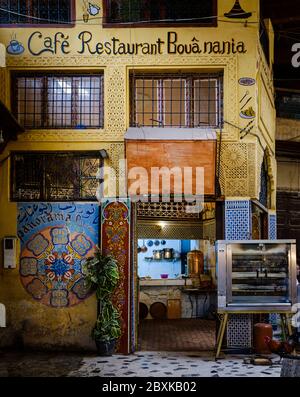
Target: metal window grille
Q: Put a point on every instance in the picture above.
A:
(160, 11)
(59, 101)
(35, 11)
(55, 176)
(176, 100)
(288, 105)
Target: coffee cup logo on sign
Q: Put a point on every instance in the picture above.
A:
(15, 47)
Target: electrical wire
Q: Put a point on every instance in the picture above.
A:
(123, 23)
(145, 22)
(282, 33)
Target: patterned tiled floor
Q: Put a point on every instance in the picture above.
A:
(182, 335)
(140, 364)
(179, 364)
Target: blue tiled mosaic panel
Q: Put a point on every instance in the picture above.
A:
(238, 227)
(272, 227)
(237, 220)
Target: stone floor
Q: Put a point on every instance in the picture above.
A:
(146, 364)
(183, 335)
(179, 364)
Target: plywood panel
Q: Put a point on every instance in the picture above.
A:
(174, 308)
(153, 155)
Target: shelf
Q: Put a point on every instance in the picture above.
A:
(162, 282)
(162, 260)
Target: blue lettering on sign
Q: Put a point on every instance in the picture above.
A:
(34, 217)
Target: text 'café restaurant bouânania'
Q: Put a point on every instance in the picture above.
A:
(92, 84)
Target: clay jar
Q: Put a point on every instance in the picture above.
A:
(261, 330)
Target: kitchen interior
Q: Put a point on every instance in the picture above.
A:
(177, 291)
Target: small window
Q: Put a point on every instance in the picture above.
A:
(58, 101)
(288, 105)
(54, 176)
(176, 100)
(161, 12)
(35, 12)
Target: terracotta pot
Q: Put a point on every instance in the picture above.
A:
(261, 330)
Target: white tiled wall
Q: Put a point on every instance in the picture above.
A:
(155, 268)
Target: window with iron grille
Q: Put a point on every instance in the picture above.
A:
(288, 105)
(35, 11)
(55, 176)
(162, 12)
(58, 101)
(176, 100)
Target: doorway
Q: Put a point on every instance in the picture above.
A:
(124, 223)
(176, 307)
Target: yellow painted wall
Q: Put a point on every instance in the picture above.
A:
(241, 159)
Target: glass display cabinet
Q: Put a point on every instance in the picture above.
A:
(256, 274)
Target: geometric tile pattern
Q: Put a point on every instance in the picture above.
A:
(274, 319)
(272, 227)
(238, 227)
(237, 219)
(239, 330)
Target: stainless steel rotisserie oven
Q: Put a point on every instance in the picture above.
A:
(256, 274)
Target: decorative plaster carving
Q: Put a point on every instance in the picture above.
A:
(63, 136)
(265, 69)
(238, 169)
(115, 110)
(116, 152)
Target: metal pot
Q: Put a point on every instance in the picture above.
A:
(144, 247)
(157, 254)
(195, 263)
(168, 253)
